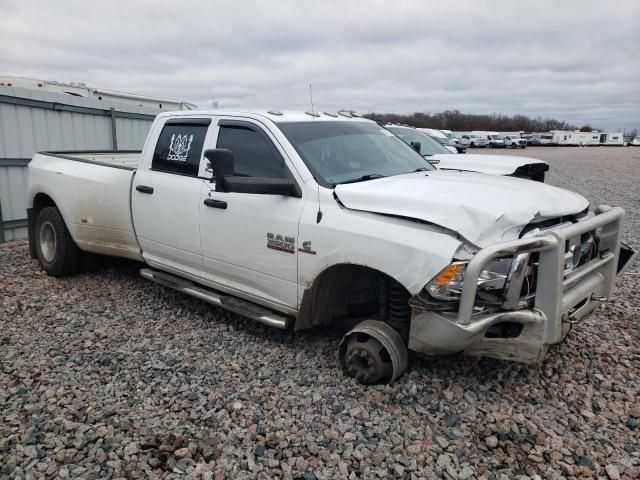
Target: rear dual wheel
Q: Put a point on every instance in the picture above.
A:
(57, 252)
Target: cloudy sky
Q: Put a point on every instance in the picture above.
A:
(572, 60)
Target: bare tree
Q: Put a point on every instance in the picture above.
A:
(463, 122)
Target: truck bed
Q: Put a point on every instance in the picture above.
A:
(127, 159)
(93, 192)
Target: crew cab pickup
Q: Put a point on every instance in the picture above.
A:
(301, 220)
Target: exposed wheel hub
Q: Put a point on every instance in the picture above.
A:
(373, 352)
(367, 360)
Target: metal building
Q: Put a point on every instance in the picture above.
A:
(33, 121)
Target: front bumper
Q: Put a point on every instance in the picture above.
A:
(560, 301)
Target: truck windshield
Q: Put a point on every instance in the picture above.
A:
(345, 152)
(444, 141)
(428, 146)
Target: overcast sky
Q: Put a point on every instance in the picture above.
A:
(572, 60)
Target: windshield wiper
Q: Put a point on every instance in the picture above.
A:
(422, 169)
(363, 178)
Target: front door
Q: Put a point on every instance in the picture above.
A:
(167, 198)
(250, 241)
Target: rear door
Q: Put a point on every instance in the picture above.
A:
(250, 241)
(167, 196)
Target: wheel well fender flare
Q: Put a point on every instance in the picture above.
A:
(327, 288)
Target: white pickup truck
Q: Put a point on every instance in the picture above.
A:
(514, 141)
(301, 220)
(436, 154)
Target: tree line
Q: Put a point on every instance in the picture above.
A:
(466, 122)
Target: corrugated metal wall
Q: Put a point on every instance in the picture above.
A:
(33, 121)
(13, 200)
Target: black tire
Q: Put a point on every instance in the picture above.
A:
(90, 262)
(58, 254)
(473, 145)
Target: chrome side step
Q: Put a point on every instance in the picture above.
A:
(233, 304)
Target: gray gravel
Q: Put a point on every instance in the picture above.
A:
(106, 375)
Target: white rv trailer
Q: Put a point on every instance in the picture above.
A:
(545, 138)
(576, 138)
(612, 138)
(80, 89)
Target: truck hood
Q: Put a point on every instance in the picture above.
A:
(482, 208)
(490, 164)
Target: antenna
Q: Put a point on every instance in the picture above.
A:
(313, 123)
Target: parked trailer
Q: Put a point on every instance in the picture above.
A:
(80, 89)
(545, 138)
(575, 138)
(562, 137)
(34, 120)
(612, 138)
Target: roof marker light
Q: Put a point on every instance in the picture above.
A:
(345, 113)
(313, 114)
(335, 115)
(275, 112)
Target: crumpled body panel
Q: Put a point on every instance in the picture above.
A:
(481, 208)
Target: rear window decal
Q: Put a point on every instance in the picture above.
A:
(179, 147)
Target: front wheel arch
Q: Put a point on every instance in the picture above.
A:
(326, 299)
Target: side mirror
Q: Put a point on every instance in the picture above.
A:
(221, 161)
(416, 146)
(261, 186)
(222, 167)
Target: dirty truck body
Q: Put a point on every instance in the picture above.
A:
(299, 220)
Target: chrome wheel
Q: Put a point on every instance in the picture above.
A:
(48, 242)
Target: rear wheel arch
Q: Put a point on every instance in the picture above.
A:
(55, 249)
(88, 262)
(40, 200)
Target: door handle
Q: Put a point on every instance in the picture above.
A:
(144, 189)
(210, 202)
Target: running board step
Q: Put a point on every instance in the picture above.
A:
(228, 302)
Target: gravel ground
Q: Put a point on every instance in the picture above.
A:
(107, 375)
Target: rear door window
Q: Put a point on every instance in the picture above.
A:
(179, 147)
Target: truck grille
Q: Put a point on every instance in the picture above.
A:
(520, 289)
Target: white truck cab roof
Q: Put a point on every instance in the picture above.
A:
(276, 116)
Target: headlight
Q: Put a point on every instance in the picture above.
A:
(447, 285)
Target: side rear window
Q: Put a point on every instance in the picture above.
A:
(179, 147)
(253, 153)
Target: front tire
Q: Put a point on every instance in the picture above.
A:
(58, 254)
